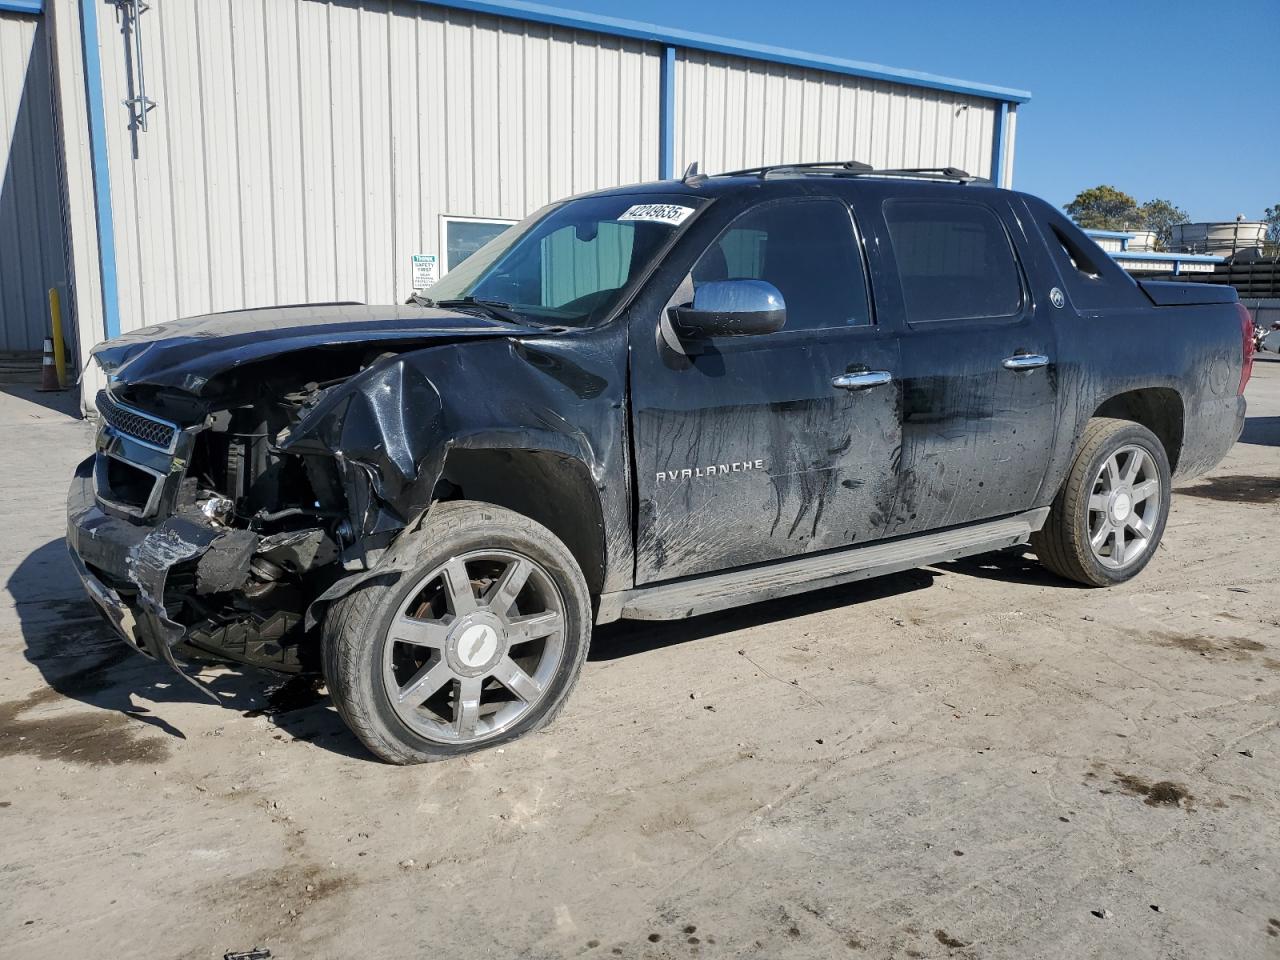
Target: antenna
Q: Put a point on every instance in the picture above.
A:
(691, 175)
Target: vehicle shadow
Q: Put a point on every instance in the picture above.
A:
(82, 658)
(1008, 566)
(1262, 431)
(627, 638)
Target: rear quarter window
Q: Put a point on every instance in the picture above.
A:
(1093, 279)
(954, 260)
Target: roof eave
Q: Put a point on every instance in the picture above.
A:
(638, 30)
(22, 6)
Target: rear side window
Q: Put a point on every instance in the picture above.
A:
(805, 248)
(954, 260)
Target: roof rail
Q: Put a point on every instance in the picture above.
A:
(855, 168)
(845, 166)
(930, 173)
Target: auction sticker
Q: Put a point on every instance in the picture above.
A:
(672, 213)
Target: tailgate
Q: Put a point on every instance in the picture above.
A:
(1168, 293)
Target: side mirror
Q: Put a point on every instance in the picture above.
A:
(731, 308)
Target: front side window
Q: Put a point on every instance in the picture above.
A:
(572, 263)
(805, 248)
(954, 260)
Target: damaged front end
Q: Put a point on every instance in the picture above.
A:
(205, 527)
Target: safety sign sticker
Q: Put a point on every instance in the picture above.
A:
(425, 270)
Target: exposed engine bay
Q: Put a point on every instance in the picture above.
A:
(252, 468)
(241, 504)
(275, 527)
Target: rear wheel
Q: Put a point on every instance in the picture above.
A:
(1107, 520)
(480, 643)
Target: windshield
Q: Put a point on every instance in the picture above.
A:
(572, 263)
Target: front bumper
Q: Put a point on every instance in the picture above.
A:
(127, 569)
(124, 566)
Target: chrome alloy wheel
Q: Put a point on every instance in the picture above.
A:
(474, 647)
(1124, 506)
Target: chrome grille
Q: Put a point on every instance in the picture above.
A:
(133, 423)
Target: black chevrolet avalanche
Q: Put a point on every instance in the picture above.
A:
(650, 402)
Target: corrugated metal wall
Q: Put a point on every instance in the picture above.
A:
(31, 240)
(305, 150)
(733, 113)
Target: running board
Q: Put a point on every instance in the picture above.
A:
(706, 594)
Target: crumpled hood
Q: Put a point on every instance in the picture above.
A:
(186, 354)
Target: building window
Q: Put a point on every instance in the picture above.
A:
(460, 237)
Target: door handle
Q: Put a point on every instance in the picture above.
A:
(862, 380)
(1026, 361)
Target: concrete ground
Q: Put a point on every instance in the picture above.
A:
(973, 760)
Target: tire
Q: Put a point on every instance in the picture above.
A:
(386, 644)
(1091, 500)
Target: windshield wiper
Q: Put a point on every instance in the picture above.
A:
(494, 308)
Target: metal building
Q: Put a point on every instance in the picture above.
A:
(218, 154)
(31, 235)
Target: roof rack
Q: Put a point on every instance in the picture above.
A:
(855, 168)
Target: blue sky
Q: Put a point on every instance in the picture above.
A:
(1175, 99)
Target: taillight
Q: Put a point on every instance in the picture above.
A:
(1246, 329)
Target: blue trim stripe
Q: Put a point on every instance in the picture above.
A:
(22, 6)
(997, 148)
(1117, 234)
(668, 36)
(667, 116)
(101, 173)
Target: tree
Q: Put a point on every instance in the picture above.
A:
(1272, 218)
(1104, 208)
(1159, 216)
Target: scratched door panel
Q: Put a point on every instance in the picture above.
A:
(977, 436)
(749, 453)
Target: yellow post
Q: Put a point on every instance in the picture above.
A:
(59, 349)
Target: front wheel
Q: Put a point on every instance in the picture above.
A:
(1107, 519)
(479, 643)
